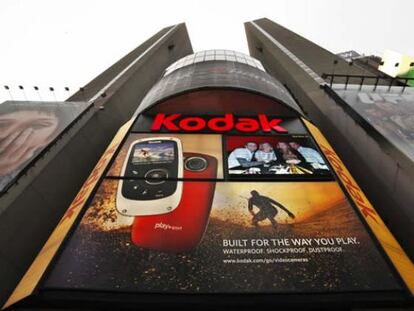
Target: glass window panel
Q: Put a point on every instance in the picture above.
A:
(240, 59)
(256, 61)
(218, 55)
(251, 63)
(199, 59)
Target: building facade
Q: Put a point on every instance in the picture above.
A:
(218, 186)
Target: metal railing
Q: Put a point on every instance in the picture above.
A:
(364, 78)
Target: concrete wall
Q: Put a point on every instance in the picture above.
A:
(31, 209)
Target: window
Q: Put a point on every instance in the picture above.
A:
(211, 55)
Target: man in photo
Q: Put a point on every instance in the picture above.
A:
(265, 153)
(310, 155)
(242, 156)
(267, 208)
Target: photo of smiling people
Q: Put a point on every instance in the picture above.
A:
(274, 156)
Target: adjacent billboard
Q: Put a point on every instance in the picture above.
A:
(26, 129)
(389, 110)
(396, 64)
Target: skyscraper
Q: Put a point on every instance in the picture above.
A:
(374, 137)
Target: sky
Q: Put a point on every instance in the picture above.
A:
(59, 43)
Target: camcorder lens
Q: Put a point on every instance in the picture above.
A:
(196, 164)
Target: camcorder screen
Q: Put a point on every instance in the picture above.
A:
(150, 164)
(153, 152)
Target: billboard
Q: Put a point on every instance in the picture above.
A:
(26, 129)
(169, 217)
(396, 64)
(257, 237)
(389, 110)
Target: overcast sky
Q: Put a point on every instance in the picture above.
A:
(68, 42)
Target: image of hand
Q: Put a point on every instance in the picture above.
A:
(21, 134)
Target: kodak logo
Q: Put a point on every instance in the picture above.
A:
(228, 122)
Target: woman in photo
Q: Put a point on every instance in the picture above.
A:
(287, 154)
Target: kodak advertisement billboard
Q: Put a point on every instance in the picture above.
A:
(227, 204)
